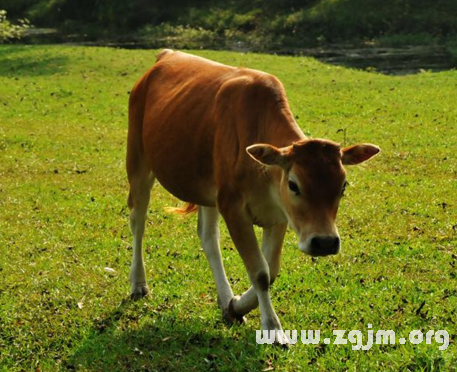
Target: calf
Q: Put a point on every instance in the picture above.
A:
(224, 139)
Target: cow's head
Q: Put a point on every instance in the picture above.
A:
(311, 187)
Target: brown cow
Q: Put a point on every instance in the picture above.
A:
(224, 138)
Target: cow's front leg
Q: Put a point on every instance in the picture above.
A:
(242, 232)
(272, 240)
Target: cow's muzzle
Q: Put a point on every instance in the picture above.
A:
(318, 245)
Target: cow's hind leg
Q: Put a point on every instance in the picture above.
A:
(208, 231)
(140, 190)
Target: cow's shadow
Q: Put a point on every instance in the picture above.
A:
(164, 340)
(21, 61)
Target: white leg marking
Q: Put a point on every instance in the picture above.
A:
(141, 194)
(270, 321)
(208, 231)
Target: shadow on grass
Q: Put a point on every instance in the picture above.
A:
(18, 61)
(161, 340)
(405, 60)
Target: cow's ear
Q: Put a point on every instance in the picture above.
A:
(359, 153)
(268, 154)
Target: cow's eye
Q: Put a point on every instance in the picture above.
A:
(345, 184)
(294, 188)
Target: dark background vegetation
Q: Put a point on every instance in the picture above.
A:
(256, 23)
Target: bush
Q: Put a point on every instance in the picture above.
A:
(10, 31)
(179, 36)
(288, 23)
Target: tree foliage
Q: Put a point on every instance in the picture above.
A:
(10, 31)
(280, 20)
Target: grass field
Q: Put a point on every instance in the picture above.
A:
(64, 220)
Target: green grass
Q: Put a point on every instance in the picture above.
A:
(64, 219)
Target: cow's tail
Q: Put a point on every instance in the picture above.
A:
(188, 208)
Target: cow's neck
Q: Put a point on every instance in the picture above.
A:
(265, 205)
(282, 130)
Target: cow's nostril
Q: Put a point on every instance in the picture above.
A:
(315, 243)
(325, 245)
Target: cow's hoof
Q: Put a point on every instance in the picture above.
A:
(139, 292)
(283, 346)
(229, 314)
(281, 341)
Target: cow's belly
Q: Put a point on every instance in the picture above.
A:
(180, 156)
(186, 187)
